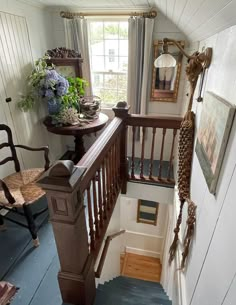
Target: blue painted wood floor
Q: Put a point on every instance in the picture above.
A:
(33, 270)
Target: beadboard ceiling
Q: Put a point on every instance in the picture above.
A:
(198, 19)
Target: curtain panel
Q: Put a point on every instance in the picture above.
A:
(140, 44)
(76, 34)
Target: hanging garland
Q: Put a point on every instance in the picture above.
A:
(196, 64)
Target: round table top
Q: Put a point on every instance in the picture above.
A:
(77, 130)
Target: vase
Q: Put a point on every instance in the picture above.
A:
(54, 106)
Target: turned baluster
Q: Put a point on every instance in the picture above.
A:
(152, 152)
(113, 176)
(171, 154)
(133, 152)
(142, 153)
(108, 200)
(100, 198)
(90, 214)
(95, 207)
(104, 194)
(162, 150)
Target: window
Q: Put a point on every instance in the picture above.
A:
(109, 60)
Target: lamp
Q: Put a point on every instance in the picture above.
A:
(197, 63)
(165, 60)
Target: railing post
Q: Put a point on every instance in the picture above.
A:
(67, 215)
(121, 111)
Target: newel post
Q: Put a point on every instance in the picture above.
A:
(122, 111)
(67, 215)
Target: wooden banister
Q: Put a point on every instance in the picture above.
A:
(97, 152)
(104, 252)
(82, 197)
(153, 121)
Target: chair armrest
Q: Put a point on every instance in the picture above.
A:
(44, 148)
(6, 191)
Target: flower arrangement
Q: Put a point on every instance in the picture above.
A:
(64, 97)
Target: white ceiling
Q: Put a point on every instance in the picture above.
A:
(198, 19)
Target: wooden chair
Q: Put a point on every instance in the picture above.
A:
(19, 190)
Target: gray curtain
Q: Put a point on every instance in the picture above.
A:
(140, 43)
(76, 34)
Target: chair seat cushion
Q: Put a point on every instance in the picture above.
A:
(22, 187)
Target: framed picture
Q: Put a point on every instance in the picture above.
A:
(68, 62)
(212, 136)
(147, 212)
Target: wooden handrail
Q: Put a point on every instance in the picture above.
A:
(153, 121)
(104, 252)
(97, 152)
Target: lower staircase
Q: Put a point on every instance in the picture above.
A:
(129, 291)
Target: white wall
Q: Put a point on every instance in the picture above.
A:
(111, 267)
(31, 129)
(140, 238)
(210, 274)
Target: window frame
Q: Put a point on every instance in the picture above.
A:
(118, 72)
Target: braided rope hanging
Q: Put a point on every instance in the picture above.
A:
(196, 63)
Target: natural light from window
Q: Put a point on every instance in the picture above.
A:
(109, 60)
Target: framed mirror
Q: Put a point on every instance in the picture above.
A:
(165, 81)
(68, 62)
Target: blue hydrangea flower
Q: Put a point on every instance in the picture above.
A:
(53, 85)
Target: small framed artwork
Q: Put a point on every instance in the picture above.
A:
(212, 136)
(147, 211)
(68, 62)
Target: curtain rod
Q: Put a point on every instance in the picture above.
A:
(69, 15)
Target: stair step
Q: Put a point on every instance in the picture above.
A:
(146, 296)
(133, 288)
(129, 291)
(111, 298)
(137, 282)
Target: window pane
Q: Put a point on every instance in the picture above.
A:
(111, 65)
(97, 80)
(97, 47)
(110, 81)
(123, 46)
(111, 30)
(111, 46)
(123, 31)
(122, 82)
(123, 64)
(108, 96)
(96, 30)
(98, 63)
(122, 95)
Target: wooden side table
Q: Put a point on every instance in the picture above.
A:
(78, 132)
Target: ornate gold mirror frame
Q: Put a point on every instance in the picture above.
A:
(165, 81)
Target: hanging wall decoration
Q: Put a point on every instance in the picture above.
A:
(213, 132)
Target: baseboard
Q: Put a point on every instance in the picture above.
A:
(142, 252)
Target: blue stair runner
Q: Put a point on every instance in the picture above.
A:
(129, 291)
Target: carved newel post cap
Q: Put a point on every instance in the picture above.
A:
(121, 109)
(63, 175)
(61, 169)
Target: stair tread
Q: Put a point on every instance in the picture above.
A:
(130, 291)
(103, 298)
(133, 288)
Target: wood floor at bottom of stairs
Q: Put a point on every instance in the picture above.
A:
(141, 267)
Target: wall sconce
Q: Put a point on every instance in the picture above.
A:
(197, 63)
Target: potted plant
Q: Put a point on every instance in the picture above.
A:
(65, 97)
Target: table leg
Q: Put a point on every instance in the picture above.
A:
(79, 148)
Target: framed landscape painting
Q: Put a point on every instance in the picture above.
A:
(212, 136)
(147, 211)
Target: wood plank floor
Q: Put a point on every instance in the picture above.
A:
(141, 267)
